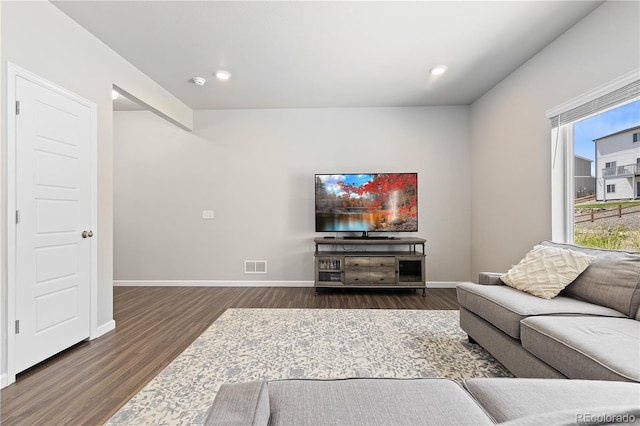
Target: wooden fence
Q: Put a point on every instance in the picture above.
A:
(595, 214)
(587, 199)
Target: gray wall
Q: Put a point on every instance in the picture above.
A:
(40, 38)
(485, 183)
(511, 138)
(255, 169)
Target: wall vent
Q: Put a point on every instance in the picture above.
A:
(255, 266)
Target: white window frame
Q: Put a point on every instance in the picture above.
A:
(562, 154)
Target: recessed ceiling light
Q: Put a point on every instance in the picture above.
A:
(440, 69)
(199, 81)
(114, 95)
(223, 75)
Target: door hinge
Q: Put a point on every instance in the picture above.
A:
(17, 326)
(17, 107)
(17, 217)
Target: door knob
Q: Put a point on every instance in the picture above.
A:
(87, 234)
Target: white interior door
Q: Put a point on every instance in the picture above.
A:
(54, 208)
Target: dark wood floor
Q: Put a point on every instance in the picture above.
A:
(88, 383)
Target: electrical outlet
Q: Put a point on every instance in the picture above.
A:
(207, 214)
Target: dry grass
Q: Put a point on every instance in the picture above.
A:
(616, 238)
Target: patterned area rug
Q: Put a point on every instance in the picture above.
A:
(253, 344)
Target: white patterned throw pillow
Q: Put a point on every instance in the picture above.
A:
(545, 271)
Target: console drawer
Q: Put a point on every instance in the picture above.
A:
(382, 262)
(370, 277)
(356, 261)
(356, 276)
(382, 277)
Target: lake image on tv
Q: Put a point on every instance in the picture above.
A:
(366, 202)
(348, 221)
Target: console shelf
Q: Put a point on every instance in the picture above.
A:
(370, 263)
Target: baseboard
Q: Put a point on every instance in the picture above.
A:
(209, 283)
(223, 283)
(3, 380)
(104, 329)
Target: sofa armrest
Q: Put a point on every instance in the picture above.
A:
(490, 278)
(240, 404)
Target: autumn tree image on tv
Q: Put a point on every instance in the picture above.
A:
(367, 202)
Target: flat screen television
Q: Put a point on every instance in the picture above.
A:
(366, 202)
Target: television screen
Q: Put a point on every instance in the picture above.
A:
(375, 202)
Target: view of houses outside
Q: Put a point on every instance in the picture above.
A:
(617, 162)
(607, 179)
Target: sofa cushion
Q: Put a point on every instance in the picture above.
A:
(545, 271)
(614, 415)
(613, 280)
(240, 404)
(505, 307)
(372, 402)
(512, 399)
(586, 347)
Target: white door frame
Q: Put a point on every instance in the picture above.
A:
(14, 71)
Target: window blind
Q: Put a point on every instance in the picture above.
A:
(623, 94)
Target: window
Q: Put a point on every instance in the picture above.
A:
(589, 176)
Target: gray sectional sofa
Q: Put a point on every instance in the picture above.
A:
(425, 402)
(591, 330)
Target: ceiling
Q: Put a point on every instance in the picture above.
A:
(300, 54)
